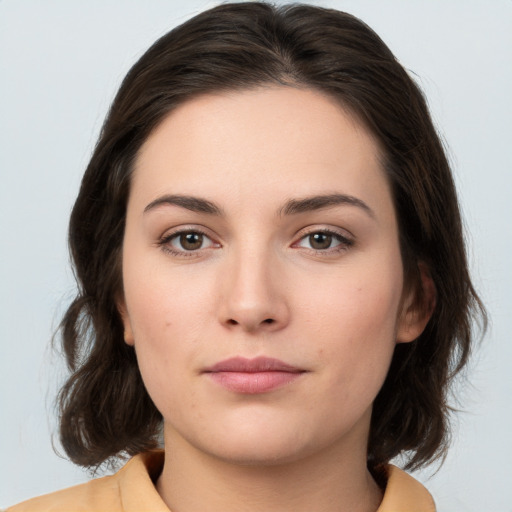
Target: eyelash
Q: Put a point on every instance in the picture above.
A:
(344, 242)
(165, 242)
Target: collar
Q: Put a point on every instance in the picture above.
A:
(137, 489)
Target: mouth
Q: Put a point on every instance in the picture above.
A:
(253, 376)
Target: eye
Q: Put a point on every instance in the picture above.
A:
(191, 241)
(325, 241)
(182, 243)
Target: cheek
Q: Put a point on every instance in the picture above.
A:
(166, 317)
(163, 301)
(160, 350)
(355, 319)
(166, 323)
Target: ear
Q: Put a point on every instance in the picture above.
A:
(417, 307)
(125, 318)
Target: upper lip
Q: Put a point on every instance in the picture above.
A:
(258, 364)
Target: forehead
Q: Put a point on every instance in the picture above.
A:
(259, 143)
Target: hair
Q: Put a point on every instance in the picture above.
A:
(105, 409)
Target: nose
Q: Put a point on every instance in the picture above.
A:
(254, 297)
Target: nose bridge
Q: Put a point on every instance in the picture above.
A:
(253, 295)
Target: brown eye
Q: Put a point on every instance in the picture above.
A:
(187, 243)
(319, 241)
(325, 241)
(191, 241)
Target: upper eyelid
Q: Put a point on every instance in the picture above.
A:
(179, 230)
(341, 232)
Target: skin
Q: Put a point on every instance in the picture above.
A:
(259, 285)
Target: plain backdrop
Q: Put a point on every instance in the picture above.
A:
(61, 62)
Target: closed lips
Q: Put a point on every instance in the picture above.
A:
(253, 376)
(256, 365)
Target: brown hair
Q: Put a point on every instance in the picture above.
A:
(105, 409)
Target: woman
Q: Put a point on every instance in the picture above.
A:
(272, 276)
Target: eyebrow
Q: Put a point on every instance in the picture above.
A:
(307, 204)
(291, 207)
(192, 203)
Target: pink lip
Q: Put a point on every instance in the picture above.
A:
(252, 376)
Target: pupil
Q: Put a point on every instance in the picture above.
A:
(191, 241)
(320, 240)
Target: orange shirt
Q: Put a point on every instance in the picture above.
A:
(132, 490)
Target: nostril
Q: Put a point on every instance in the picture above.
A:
(232, 321)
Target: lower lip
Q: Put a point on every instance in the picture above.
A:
(252, 383)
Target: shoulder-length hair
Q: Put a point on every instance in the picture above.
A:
(105, 409)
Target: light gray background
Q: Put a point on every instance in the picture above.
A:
(61, 62)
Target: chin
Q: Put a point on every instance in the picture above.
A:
(259, 456)
(266, 447)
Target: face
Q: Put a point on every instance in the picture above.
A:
(263, 282)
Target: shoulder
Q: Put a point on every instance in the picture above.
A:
(129, 489)
(404, 493)
(98, 494)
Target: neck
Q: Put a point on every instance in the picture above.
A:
(193, 481)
